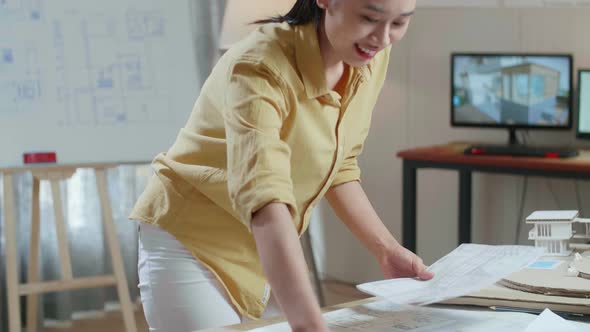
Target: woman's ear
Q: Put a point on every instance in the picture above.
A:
(323, 4)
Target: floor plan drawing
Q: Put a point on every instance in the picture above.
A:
(100, 72)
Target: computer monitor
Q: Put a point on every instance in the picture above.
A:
(583, 128)
(512, 91)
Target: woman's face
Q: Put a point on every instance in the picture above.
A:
(359, 29)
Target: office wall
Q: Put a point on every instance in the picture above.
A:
(414, 110)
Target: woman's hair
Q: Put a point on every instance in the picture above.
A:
(304, 11)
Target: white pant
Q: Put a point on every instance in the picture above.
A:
(178, 292)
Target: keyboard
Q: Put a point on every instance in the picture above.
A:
(521, 151)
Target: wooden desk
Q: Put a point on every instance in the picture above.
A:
(450, 156)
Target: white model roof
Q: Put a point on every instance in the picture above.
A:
(552, 216)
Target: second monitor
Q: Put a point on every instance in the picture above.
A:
(583, 128)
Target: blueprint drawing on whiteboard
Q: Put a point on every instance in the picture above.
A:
(95, 81)
(100, 65)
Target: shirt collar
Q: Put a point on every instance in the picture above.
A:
(310, 62)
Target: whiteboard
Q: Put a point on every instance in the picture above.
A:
(109, 81)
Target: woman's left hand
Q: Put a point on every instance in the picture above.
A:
(399, 262)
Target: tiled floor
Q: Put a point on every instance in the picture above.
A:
(335, 293)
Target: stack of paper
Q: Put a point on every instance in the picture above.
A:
(385, 316)
(465, 270)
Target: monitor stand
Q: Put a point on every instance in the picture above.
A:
(512, 139)
(514, 149)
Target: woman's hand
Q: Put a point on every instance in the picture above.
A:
(399, 262)
(352, 206)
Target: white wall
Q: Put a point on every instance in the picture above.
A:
(414, 111)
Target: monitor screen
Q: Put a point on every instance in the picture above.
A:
(584, 103)
(511, 90)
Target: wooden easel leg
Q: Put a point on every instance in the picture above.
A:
(12, 284)
(115, 250)
(62, 234)
(33, 274)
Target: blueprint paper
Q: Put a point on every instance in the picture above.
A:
(467, 269)
(385, 316)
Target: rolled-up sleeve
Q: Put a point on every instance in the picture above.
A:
(258, 160)
(349, 170)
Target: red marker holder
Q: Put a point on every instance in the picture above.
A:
(40, 158)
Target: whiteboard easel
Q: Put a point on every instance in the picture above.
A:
(33, 287)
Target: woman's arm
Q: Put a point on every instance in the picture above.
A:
(352, 206)
(284, 265)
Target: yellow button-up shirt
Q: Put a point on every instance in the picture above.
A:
(265, 128)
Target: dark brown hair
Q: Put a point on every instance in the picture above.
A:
(303, 11)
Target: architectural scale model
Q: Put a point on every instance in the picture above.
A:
(554, 230)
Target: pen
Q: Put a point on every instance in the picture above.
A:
(563, 314)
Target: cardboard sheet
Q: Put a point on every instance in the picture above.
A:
(502, 296)
(548, 276)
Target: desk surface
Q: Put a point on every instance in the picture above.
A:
(453, 153)
(261, 323)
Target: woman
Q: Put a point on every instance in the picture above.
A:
(278, 125)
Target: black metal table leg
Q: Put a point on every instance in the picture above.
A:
(409, 206)
(464, 206)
